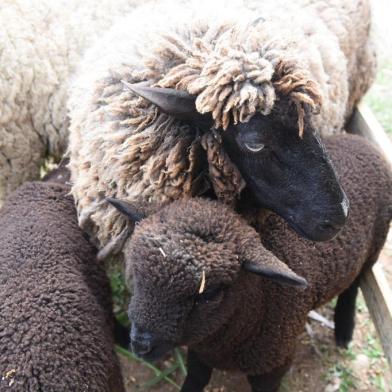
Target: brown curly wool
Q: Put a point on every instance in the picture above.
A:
(232, 84)
(56, 320)
(225, 178)
(237, 58)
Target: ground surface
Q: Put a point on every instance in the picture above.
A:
(319, 366)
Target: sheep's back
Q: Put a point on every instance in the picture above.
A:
(330, 267)
(38, 220)
(55, 303)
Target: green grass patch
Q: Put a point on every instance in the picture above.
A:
(121, 297)
(373, 349)
(160, 375)
(120, 292)
(345, 375)
(379, 97)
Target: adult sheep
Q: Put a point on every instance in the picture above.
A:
(41, 42)
(208, 282)
(56, 320)
(231, 93)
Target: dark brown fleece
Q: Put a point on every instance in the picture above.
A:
(55, 309)
(253, 323)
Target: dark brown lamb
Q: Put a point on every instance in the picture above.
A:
(55, 309)
(203, 278)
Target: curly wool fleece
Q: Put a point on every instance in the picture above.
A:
(238, 58)
(41, 42)
(56, 320)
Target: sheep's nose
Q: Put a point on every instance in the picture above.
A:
(141, 341)
(330, 227)
(335, 222)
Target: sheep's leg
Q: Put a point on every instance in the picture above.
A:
(345, 315)
(199, 374)
(268, 382)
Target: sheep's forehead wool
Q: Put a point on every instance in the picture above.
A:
(189, 243)
(230, 63)
(187, 267)
(233, 73)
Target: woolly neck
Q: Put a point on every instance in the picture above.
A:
(222, 348)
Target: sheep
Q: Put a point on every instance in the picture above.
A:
(56, 320)
(41, 43)
(202, 277)
(152, 98)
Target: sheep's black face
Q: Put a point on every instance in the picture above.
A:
(287, 174)
(290, 175)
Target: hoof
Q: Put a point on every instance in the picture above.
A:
(343, 338)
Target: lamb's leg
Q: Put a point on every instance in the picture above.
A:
(121, 334)
(199, 374)
(345, 315)
(268, 382)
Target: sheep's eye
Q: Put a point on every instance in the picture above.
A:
(208, 295)
(254, 147)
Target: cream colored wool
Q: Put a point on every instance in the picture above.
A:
(41, 41)
(238, 58)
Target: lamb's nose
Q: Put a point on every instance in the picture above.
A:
(140, 348)
(141, 341)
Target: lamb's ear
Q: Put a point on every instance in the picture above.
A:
(177, 103)
(269, 266)
(127, 209)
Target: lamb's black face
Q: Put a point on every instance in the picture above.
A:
(288, 174)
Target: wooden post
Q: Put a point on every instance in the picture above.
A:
(378, 297)
(365, 123)
(374, 285)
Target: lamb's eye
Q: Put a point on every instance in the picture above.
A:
(208, 295)
(254, 147)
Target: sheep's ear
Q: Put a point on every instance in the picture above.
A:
(269, 266)
(127, 209)
(177, 103)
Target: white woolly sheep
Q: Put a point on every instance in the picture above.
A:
(311, 59)
(41, 42)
